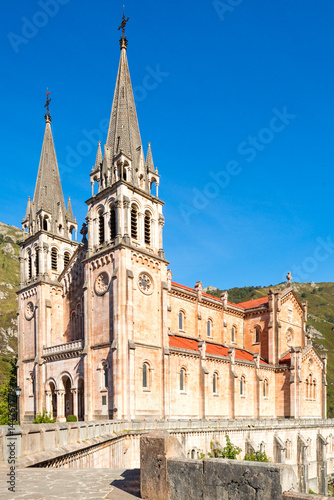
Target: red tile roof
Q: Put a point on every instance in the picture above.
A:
(253, 303)
(182, 286)
(243, 305)
(216, 349)
(286, 360)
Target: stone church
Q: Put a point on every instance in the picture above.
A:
(104, 332)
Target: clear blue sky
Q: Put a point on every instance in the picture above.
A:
(239, 111)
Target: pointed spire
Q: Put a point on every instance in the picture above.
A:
(69, 212)
(123, 133)
(48, 194)
(98, 160)
(149, 159)
(28, 209)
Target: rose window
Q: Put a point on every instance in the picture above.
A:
(102, 283)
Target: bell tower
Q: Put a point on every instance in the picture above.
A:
(45, 252)
(126, 263)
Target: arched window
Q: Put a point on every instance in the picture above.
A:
(257, 335)
(233, 334)
(112, 223)
(288, 449)
(265, 388)
(73, 325)
(193, 454)
(182, 380)
(29, 266)
(124, 174)
(307, 392)
(134, 222)
(37, 261)
(101, 228)
(181, 320)
(209, 328)
(105, 375)
(54, 259)
(145, 375)
(45, 223)
(66, 258)
(314, 385)
(147, 228)
(215, 383)
(242, 386)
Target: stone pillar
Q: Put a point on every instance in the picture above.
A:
(233, 377)
(126, 205)
(161, 225)
(118, 208)
(48, 402)
(324, 386)
(106, 227)
(75, 402)
(258, 380)
(140, 234)
(155, 448)
(302, 463)
(61, 405)
(90, 233)
(322, 465)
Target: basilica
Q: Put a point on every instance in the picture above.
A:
(105, 332)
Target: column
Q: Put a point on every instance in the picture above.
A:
(75, 402)
(118, 207)
(90, 233)
(60, 405)
(126, 205)
(161, 225)
(106, 227)
(140, 235)
(48, 402)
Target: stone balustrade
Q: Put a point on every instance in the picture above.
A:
(75, 345)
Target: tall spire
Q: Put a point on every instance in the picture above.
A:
(123, 133)
(149, 159)
(48, 197)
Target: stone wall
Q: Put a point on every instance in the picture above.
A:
(165, 474)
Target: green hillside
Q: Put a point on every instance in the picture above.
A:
(9, 280)
(320, 298)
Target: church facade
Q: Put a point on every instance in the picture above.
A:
(104, 332)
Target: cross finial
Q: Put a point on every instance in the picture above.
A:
(46, 105)
(123, 41)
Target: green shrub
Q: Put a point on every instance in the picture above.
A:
(71, 418)
(257, 456)
(229, 451)
(43, 418)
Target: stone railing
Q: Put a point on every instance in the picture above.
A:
(63, 348)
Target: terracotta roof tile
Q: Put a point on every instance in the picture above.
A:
(216, 349)
(286, 360)
(253, 303)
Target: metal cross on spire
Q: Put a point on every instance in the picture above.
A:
(123, 41)
(46, 105)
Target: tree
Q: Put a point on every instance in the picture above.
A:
(257, 456)
(229, 451)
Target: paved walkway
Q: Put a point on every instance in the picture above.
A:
(72, 484)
